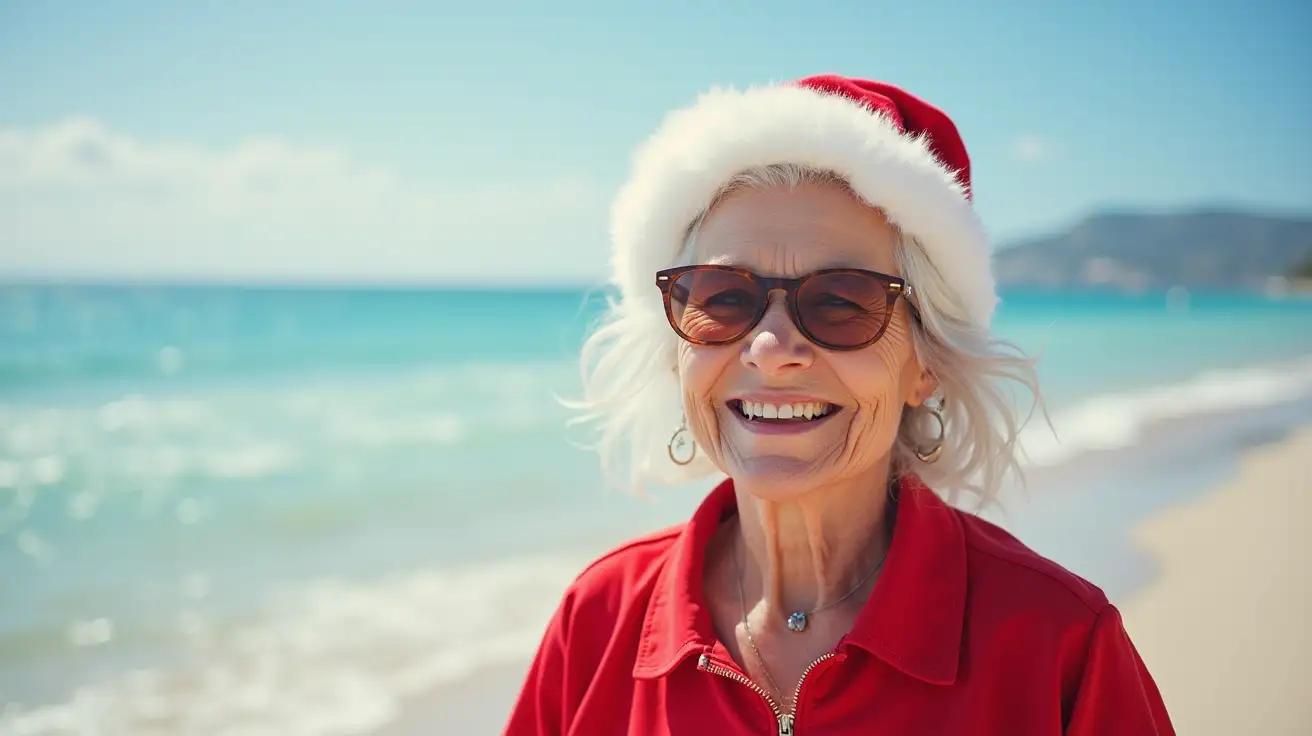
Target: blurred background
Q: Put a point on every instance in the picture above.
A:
(289, 293)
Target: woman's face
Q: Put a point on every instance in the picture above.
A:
(790, 234)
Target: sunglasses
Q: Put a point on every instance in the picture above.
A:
(837, 308)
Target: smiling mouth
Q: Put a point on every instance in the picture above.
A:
(810, 411)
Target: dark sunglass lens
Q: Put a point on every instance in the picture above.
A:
(843, 309)
(712, 305)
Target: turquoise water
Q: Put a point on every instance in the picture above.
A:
(326, 495)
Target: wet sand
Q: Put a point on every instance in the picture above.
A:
(1225, 627)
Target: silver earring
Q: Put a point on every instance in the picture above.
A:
(681, 444)
(932, 454)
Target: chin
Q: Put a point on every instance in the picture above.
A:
(775, 477)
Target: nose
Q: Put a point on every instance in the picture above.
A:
(775, 346)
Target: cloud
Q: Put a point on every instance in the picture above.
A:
(81, 200)
(1032, 149)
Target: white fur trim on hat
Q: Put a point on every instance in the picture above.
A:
(682, 166)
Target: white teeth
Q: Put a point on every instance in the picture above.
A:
(758, 410)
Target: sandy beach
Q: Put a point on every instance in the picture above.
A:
(1224, 627)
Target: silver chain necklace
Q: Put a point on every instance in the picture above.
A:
(747, 629)
(798, 620)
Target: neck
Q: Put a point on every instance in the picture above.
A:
(812, 550)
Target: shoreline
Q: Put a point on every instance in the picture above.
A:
(1224, 626)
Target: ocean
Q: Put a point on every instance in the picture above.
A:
(292, 511)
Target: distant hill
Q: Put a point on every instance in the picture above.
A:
(1138, 251)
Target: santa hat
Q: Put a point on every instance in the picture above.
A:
(898, 152)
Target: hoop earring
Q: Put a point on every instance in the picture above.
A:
(678, 442)
(932, 454)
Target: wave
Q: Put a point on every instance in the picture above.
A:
(1118, 420)
(253, 432)
(329, 658)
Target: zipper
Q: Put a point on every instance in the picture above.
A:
(797, 694)
(786, 721)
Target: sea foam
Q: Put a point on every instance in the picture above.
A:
(329, 658)
(1118, 420)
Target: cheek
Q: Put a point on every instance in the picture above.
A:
(876, 378)
(701, 369)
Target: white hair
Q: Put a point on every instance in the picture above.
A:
(631, 392)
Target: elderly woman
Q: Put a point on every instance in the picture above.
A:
(804, 306)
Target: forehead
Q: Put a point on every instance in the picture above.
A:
(791, 232)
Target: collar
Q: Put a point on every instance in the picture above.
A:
(913, 619)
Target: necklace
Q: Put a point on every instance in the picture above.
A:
(747, 629)
(798, 620)
(742, 605)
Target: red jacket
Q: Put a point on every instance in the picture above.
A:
(967, 631)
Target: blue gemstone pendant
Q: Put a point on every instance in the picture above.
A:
(797, 622)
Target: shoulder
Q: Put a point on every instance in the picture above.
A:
(1032, 620)
(620, 577)
(593, 633)
(1025, 613)
(1004, 571)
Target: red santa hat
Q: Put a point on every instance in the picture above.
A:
(898, 152)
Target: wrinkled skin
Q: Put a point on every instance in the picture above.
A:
(811, 521)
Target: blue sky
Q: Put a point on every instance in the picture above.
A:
(479, 141)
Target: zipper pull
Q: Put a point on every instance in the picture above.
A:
(786, 725)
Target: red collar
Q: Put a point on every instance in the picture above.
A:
(913, 619)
